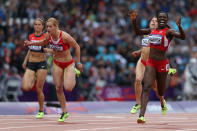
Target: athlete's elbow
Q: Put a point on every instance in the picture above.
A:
(77, 47)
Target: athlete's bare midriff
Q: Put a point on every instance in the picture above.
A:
(145, 53)
(157, 54)
(62, 56)
(36, 57)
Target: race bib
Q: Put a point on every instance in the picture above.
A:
(56, 47)
(145, 41)
(155, 39)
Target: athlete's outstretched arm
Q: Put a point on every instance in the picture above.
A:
(38, 43)
(133, 16)
(180, 34)
(69, 39)
(48, 50)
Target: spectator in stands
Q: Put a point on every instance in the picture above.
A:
(190, 85)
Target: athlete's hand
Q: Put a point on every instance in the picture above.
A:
(79, 67)
(47, 50)
(135, 53)
(24, 65)
(133, 15)
(178, 22)
(27, 43)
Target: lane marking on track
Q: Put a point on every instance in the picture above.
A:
(14, 127)
(105, 128)
(40, 121)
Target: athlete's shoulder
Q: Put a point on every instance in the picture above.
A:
(43, 34)
(31, 35)
(65, 35)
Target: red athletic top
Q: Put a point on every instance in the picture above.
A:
(158, 40)
(34, 38)
(58, 45)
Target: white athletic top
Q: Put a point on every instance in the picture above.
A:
(145, 40)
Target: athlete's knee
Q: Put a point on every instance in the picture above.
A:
(59, 89)
(26, 87)
(138, 81)
(147, 87)
(39, 90)
(69, 88)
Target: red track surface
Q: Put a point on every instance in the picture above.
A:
(100, 122)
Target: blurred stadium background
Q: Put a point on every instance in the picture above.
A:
(104, 32)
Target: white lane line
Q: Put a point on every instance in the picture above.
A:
(106, 128)
(77, 121)
(40, 121)
(13, 119)
(7, 128)
(14, 127)
(110, 117)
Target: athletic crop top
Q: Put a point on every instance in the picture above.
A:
(158, 40)
(58, 45)
(34, 38)
(145, 40)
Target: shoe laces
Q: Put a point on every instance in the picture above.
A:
(135, 106)
(62, 115)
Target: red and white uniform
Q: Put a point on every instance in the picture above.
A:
(158, 40)
(58, 45)
(32, 37)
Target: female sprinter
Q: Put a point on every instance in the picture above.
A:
(35, 61)
(157, 64)
(140, 69)
(63, 63)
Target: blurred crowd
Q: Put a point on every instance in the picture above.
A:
(104, 32)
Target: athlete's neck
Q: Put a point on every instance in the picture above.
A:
(37, 33)
(160, 27)
(55, 35)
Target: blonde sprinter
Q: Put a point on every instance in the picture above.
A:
(63, 63)
(35, 66)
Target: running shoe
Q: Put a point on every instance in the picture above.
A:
(40, 115)
(78, 73)
(63, 117)
(135, 109)
(164, 108)
(141, 119)
(172, 71)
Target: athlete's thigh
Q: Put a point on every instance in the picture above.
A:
(41, 77)
(140, 69)
(149, 76)
(161, 82)
(69, 77)
(57, 75)
(28, 79)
